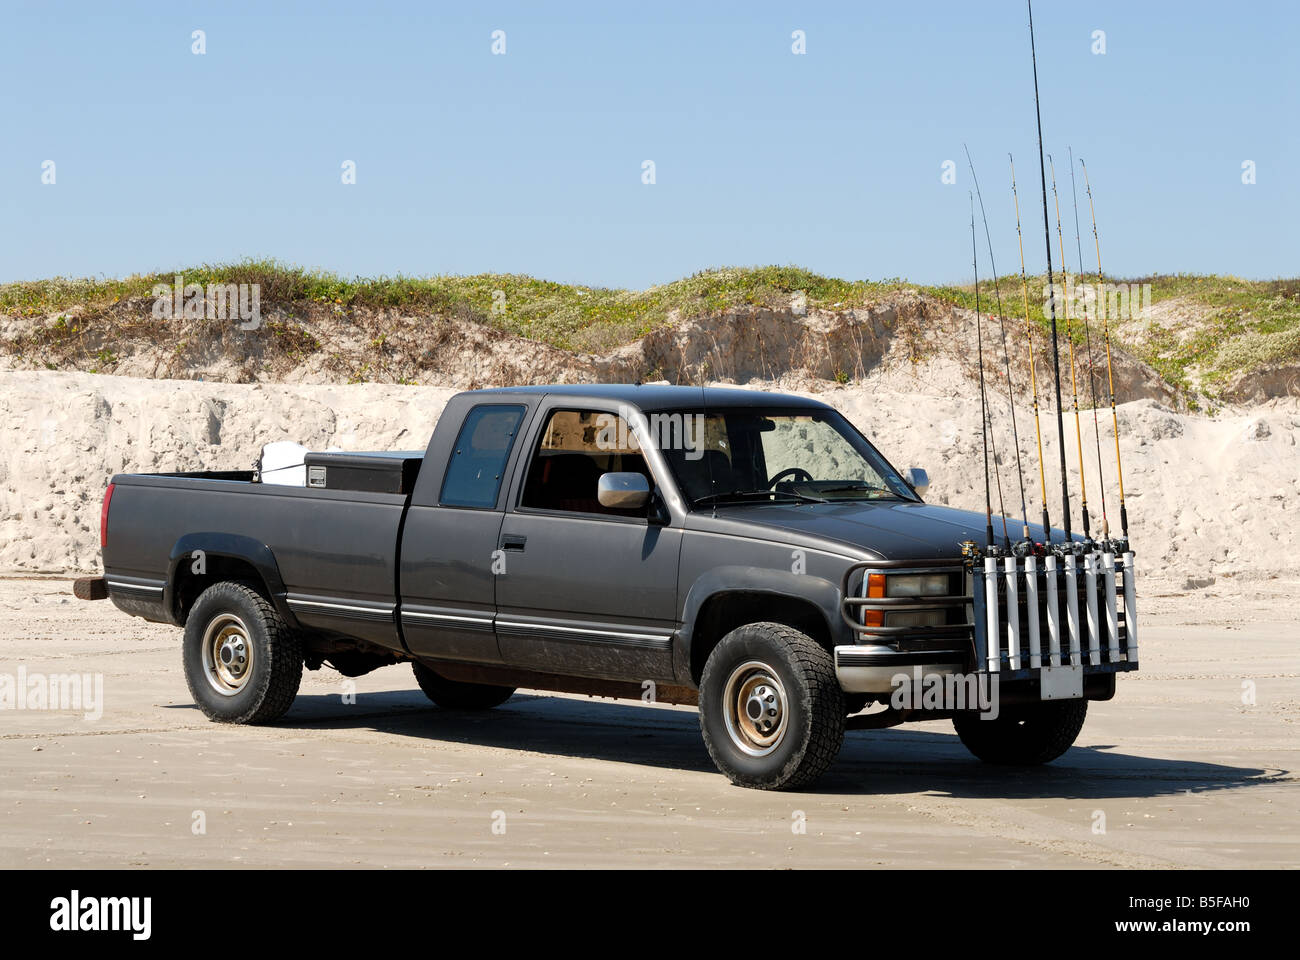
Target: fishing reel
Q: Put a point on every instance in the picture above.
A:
(1025, 548)
(972, 553)
(1073, 548)
(1116, 545)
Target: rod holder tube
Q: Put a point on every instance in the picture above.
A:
(991, 626)
(1031, 611)
(1112, 615)
(1130, 607)
(1094, 622)
(1013, 614)
(1051, 584)
(1072, 607)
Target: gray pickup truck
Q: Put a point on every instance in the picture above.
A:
(748, 552)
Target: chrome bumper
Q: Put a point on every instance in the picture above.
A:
(871, 668)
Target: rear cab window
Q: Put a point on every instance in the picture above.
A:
(478, 461)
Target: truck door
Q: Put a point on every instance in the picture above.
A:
(586, 590)
(450, 539)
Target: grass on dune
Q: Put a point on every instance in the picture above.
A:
(1239, 325)
(564, 315)
(1227, 325)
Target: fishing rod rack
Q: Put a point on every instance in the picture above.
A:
(1056, 611)
(1054, 615)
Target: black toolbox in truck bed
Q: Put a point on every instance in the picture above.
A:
(390, 472)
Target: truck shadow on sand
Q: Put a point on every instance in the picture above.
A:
(900, 760)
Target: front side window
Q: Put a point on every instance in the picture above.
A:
(478, 461)
(575, 448)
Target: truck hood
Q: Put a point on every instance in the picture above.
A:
(890, 529)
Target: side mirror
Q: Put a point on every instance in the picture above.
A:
(918, 478)
(623, 491)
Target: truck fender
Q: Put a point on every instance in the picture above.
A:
(821, 593)
(233, 547)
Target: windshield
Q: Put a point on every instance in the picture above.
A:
(758, 454)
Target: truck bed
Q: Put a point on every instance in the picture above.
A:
(334, 550)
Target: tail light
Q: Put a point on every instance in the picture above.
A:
(103, 517)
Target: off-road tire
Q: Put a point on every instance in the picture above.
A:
(1023, 734)
(811, 704)
(271, 683)
(455, 695)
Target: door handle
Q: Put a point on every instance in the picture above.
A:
(513, 542)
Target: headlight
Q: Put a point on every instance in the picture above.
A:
(918, 585)
(916, 618)
(878, 586)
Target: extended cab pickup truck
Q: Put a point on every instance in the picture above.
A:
(752, 553)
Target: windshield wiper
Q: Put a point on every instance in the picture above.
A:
(859, 487)
(738, 496)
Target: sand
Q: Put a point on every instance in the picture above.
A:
(1177, 769)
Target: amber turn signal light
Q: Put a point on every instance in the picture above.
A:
(875, 590)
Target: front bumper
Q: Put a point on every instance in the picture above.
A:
(1049, 624)
(872, 668)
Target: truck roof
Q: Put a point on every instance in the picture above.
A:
(660, 396)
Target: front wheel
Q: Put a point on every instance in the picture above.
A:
(771, 710)
(242, 662)
(1023, 734)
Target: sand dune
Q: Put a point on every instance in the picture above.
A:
(1209, 496)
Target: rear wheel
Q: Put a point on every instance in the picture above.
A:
(771, 710)
(242, 662)
(1023, 734)
(455, 695)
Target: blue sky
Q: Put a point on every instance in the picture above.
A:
(531, 162)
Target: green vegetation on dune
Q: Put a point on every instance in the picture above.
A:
(563, 315)
(1246, 325)
(598, 319)
(1213, 325)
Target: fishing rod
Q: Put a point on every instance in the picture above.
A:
(1092, 361)
(997, 476)
(1110, 367)
(984, 410)
(1047, 238)
(1069, 339)
(1029, 336)
(997, 473)
(1006, 361)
